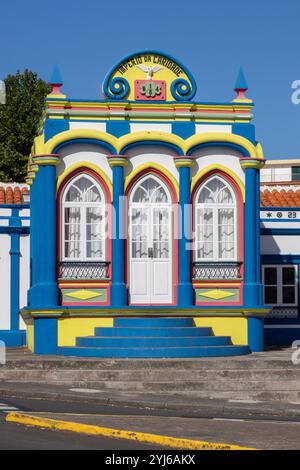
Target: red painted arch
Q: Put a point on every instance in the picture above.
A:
(84, 170)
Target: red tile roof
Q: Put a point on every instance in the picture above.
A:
(12, 194)
(280, 197)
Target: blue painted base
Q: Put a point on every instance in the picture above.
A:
(13, 338)
(185, 294)
(256, 334)
(154, 338)
(45, 336)
(118, 294)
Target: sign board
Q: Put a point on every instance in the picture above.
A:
(2, 92)
(149, 76)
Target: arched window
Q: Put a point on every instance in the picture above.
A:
(215, 221)
(83, 220)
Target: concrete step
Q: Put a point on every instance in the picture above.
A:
(175, 375)
(158, 331)
(154, 322)
(152, 342)
(232, 386)
(243, 396)
(256, 361)
(159, 352)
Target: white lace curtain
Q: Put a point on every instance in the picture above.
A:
(215, 209)
(83, 220)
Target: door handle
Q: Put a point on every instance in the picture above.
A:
(150, 252)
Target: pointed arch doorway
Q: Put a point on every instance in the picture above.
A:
(150, 242)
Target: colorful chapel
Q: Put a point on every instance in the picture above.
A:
(143, 235)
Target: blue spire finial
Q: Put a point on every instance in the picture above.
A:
(56, 77)
(241, 83)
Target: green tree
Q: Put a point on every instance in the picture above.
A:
(19, 118)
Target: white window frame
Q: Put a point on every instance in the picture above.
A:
(83, 206)
(279, 286)
(215, 209)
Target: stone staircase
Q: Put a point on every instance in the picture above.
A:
(154, 338)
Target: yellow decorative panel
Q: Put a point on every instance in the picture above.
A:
(83, 294)
(216, 294)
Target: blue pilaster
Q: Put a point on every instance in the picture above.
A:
(44, 290)
(252, 277)
(14, 281)
(118, 293)
(258, 252)
(250, 285)
(185, 288)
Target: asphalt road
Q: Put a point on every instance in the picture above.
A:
(18, 437)
(254, 432)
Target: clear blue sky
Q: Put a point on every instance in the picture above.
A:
(212, 38)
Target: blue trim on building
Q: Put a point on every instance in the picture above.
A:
(245, 130)
(280, 231)
(55, 126)
(118, 128)
(184, 129)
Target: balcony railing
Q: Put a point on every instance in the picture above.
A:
(203, 270)
(83, 270)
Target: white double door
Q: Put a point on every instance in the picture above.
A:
(150, 245)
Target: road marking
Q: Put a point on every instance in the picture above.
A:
(244, 401)
(84, 390)
(166, 441)
(230, 419)
(4, 408)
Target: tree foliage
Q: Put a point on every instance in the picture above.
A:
(19, 117)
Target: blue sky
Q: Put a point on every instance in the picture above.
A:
(212, 38)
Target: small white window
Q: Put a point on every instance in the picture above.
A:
(280, 285)
(83, 220)
(215, 221)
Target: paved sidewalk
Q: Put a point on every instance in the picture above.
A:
(176, 405)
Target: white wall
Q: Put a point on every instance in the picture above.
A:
(160, 155)
(4, 282)
(280, 244)
(91, 153)
(228, 158)
(24, 273)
